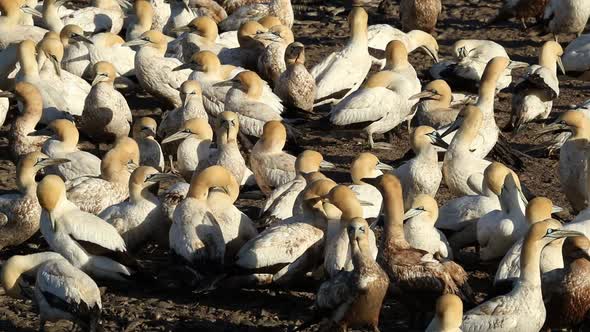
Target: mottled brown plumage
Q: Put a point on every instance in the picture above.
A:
(566, 292)
(419, 14)
(415, 274)
(521, 9)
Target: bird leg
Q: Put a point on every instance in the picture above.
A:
(42, 324)
(523, 23)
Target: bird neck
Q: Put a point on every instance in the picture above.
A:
(530, 262)
(359, 249)
(548, 59)
(25, 181)
(394, 223)
(29, 67)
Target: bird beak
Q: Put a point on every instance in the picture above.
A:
(432, 53)
(437, 140)
(183, 66)
(365, 203)
(124, 3)
(561, 233)
(135, 42)
(56, 64)
(42, 132)
(326, 165)
(161, 177)
(51, 162)
(384, 167)
(31, 11)
(269, 36)
(224, 83)
(454, 126)
(131, 166)
(149, 132)
(82, 39)
(556, 209)
(176, 136)
(423, 94)
(185, 28)
(7, 94)
(97, 79)
(560, 65)
(413, 212)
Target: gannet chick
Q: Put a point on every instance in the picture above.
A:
(209, 8)
(63, 143)
(522, 309)
(154, 71)
(93, 195)
(295, 85)
(535, 93)
(73, 88)
(228, 152)
(565, 290)
(416, 274)
(365, 287)
(11, 31)
(419, 15)
(280, 204)
(421, 174)
(101, 16)
(280, 8)
(379, 35)
(419, 227)
(271, 62)
(76, 59)
(460, 164)
(575, 58)
(449, 315)
(20, 142)
(20, 212)
(142, 22)
(272, 166)
(54, 103)
(434, 108)
(538, 209)
(193, 153)
(572, 157)
(192, 108)
(342, 207)
(569, 16)
(195, 234)
(341, 73)
(61, 291)
(72, 233)
(140, 218)
(253, 106)
(521, 10)
(367, 166)
(106, 115)
(150, 151)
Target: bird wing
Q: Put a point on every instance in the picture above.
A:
(337, 291)
(362, 106)
(493, 315)
(538, 77)
(379, 35)
(87, 227)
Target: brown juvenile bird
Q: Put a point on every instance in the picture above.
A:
(353, 298)
(419, 14)
(521, 10)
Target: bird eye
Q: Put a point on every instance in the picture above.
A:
(549, 231)
(362, 229)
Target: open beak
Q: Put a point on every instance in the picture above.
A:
(56, 64)
(560, 65)
(454, 126)
(176, 136)
(31, 11)
(437, 140)
(183, 66)
(135, 42)
(432, 53)
(384, 167)
(552, 128)
(326, 165)
(413, 212)
(83, 39)
(161, 177)
(42, 132)
(556, 209)
(423, 94)
(51, 162)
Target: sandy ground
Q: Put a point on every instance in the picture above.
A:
(170, 305)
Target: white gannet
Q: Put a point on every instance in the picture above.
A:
(20, 212)
(61, 291)
(76, 59)
(193, 153)
(379, 35)
(4, 105)
(154, 71)
(29, 97)
(434, 106)
(535, 92)
(296, 86)
(150, 151)
(448, 316)
(419, 227)
(250, 101)
(271, 62)
(228, 152)
(64, 144)
(101, 16)
(11, 31)
(92, 194)
(249, 46)
(419, 15)
(367, 166)
(109, 47)
(538, 209)
(522, 309)
(566, 16)
(83, 239)
(576, 58)
(140, 218)
(341, 73)
(280, 203)
(192, 107)
(421, 174)
(180, 15)
(279, 8)
(200, 34)
(26, 18)
(272, 166)
(460, 164)
(106, 115)
(142, 21)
